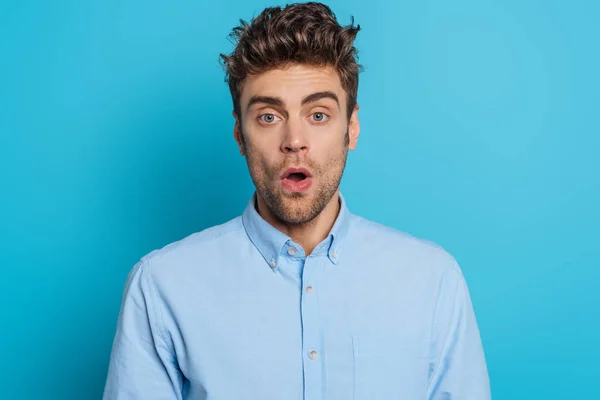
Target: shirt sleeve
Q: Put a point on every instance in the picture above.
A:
(459, 366)
(142, 364)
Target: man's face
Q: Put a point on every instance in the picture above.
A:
(296, 117)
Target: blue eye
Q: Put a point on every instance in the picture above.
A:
(268, 118)
(319, 117)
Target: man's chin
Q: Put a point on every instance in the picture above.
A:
(295, 208)
(296, 218)
(294, 195)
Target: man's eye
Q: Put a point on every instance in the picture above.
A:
(319, 117)
(268, 118)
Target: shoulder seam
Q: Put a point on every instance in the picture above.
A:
(158, 312)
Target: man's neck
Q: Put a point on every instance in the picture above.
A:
(307, 235)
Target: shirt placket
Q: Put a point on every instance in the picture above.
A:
(313, 352)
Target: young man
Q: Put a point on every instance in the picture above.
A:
(297, 298)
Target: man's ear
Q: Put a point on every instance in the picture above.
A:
(354, 128)
(237, 133)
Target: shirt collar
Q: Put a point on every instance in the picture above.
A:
(270, 241)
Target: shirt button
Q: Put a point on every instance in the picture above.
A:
(292, 251)
(313, 355)
(273, 265)
(309, 289)
(333, 254)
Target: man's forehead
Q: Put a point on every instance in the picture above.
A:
(292, 83)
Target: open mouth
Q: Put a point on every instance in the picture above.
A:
(296, 179)
(296, 176)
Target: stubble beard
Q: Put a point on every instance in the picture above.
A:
(296, 208)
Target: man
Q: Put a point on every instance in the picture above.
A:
(297, 298)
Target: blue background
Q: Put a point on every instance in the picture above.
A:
(479, 132)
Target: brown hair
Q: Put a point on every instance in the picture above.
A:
(305, 33)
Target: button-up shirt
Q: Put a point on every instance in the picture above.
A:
(239, 311)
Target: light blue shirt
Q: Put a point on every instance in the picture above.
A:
(238, 312)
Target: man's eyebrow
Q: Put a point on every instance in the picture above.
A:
(274, 101)
(320, 95)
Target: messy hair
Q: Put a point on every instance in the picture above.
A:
(303, 33)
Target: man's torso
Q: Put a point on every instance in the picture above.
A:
(356, 323)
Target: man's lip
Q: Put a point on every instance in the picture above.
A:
(290, 171)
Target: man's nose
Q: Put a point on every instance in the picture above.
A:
(295, 138)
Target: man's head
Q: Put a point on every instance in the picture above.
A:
(293, 78)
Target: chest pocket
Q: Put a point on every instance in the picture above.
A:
(387, 368)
